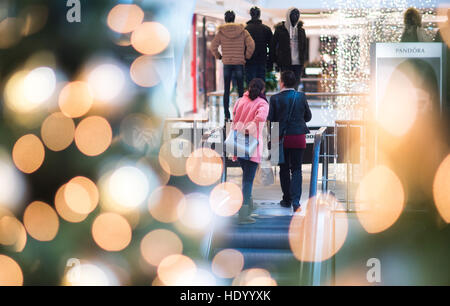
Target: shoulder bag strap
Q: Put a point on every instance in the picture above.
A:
(291, 110)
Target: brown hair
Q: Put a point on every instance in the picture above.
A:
(412, 17)
(255, 88)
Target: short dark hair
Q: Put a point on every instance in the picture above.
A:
(288, 78)
(230, 16)
(412, 17)
(255, 12)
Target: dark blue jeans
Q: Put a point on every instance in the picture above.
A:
(248, 176)
(291, 176)
(230, 71)
(255, 71)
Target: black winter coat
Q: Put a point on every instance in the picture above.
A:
(279, 112)
(281, 45)
(262, 35)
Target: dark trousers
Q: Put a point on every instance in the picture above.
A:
(255, 71)
(297, 70)
(248, 176)
(230, 71)
(291, 176)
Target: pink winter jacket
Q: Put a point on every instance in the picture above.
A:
(251, 116)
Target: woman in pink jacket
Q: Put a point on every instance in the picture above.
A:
(250, 115)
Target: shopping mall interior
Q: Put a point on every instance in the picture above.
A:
(115, 159)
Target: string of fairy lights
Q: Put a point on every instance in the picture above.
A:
(345, 50)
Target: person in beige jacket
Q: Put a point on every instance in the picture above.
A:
(237, 47)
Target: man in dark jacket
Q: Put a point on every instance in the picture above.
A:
(291, 110)
(262, 35)
(289, 44)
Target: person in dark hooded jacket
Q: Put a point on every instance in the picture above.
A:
(255, 67)
(289, 44)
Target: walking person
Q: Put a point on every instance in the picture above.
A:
(291, 110)
(413, 31)
(250, 114)
(237, 46)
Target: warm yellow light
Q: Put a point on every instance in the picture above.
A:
(111, 232)
(125, 18)
(254, 277)
(57, 132)
(144, 71)
(194, 214)
(163, 204)
(64, 210)
(93, 136)
(39, 85)
(177, 270)
(81, 195)
(10, 32)
(381, 198)
(12, 233)
(76, 99)
(107, 82)
(308, 242)
(226, 199)
(228, 263)
(441, 189)
(173, 155)
(159, 244)
(10, 272)
(150, 38)
(41, 221)
(204, 167)
(28, 153)
(129, 187)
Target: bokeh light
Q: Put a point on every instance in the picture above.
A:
(125, 18)
(177, 270)
(159, 244)
(194, 213)
(76, 99)
(173, 155)
(34, 18)
(57, 132)
(64, 210)
(444, 28)
(39, 85)
(10, 272)
(254, 277)
(111, 232)
(398, 109)
(129, 186)
(204, 167)
(304, 239)
(150, 38)
(12, 233)
(226, 199)
(228, 263)
(41, 221)
(107, 82)
(93, 136)
(441, 189)
(28, 153)
(90, 274)
(81, 195)
(381, 198)
(13, 184)
(144, 71)
(164, 202)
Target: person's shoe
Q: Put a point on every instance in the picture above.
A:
(296, 209)
(285, 204)
(244, 215)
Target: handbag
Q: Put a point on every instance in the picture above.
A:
(240, 144)
(283, 133)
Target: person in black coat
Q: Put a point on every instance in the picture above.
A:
(291, 110)
(289, 44)
(262, 35)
